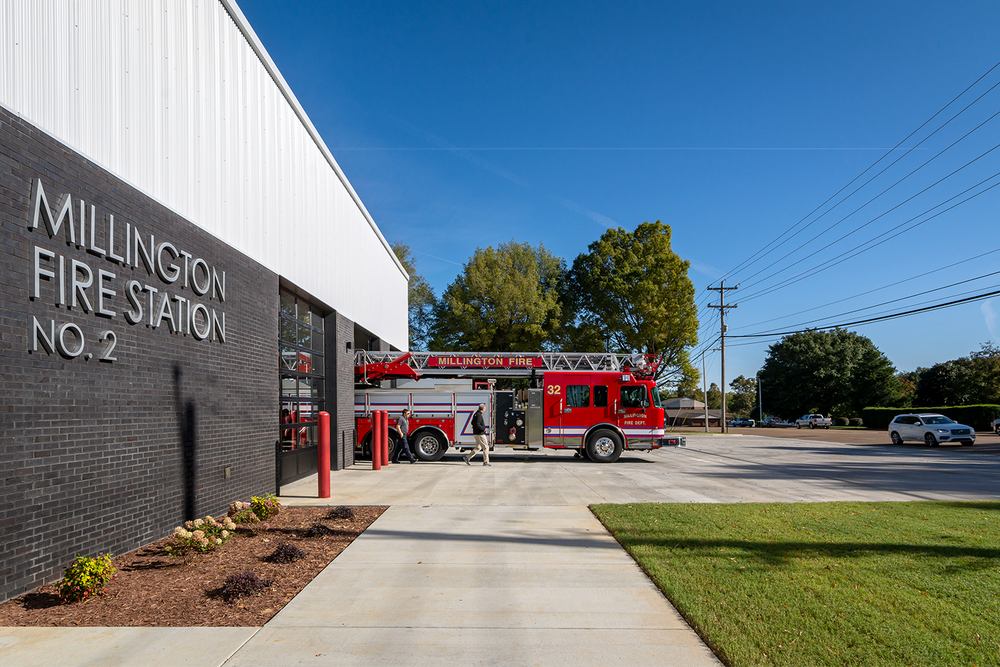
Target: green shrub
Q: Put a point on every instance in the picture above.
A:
(201, 535)
(857, 421)
(265, 507)
(242, 513)
(86, 577)
(841, 421)
(979, 417)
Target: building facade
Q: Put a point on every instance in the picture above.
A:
(186, 274)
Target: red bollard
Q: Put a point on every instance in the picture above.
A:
(323, 455)
(376, 441)
(385, 437)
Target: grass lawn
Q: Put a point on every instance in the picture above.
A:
(803, 584)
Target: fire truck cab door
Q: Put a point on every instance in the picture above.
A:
(569, 408)
(633, 411)
(554, 403)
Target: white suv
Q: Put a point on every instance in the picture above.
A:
(931, 429)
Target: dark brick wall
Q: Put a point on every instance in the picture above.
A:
(340, 380)
(99, 456)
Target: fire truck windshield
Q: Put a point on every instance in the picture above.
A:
(635, 396)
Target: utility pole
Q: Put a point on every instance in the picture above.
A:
(760, 404)
(704, 391)
(721, 289)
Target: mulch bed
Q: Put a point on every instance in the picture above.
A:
(152, 588)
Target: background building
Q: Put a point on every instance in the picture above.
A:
(689, 412)
(186, 273)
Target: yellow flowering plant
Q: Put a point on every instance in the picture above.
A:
(86, 577)
(265, 507)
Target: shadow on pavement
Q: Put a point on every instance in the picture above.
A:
(571, 542)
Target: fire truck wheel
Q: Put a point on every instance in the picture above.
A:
(393, 444)
(604, 446)
(429, 446)
(366, 446)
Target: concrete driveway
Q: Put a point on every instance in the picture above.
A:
(756, 467)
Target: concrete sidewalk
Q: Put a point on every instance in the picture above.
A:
(476, 581)
(460, 585)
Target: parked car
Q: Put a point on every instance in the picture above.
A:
(771, 422)
(815, 420)
(744, 422)
(996, 426)
(933, 429)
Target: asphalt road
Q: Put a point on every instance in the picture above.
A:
(846, 436)
(818, 465)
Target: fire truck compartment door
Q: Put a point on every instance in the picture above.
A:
(534, 418)
(466, 405)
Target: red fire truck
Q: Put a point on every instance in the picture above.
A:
(596, 404)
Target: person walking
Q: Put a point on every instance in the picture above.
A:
(403, 427)
(479, 430)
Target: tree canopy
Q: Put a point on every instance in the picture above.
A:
(964, 381)
(506, 299)
(832, 372)
(742, 399)
(632, 292)
(421, 298)
(714, 397)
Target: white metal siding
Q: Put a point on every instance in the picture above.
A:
(178, 98)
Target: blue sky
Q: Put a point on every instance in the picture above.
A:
(464, 125)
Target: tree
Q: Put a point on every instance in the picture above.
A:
(714, 397)
(420, 296)
(946, 383)
(506, 299)
(743, 398)
(829, 372)
(964, 381)
(907, 392)
(985, 380)
(687, 387)
(631, 292)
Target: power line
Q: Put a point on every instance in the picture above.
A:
(888, 234)
(893, 316)
(949, 267)
(881, 215)
(902, 298)
(753, 258)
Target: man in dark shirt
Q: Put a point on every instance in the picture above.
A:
(479, 430)
(403, 428)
